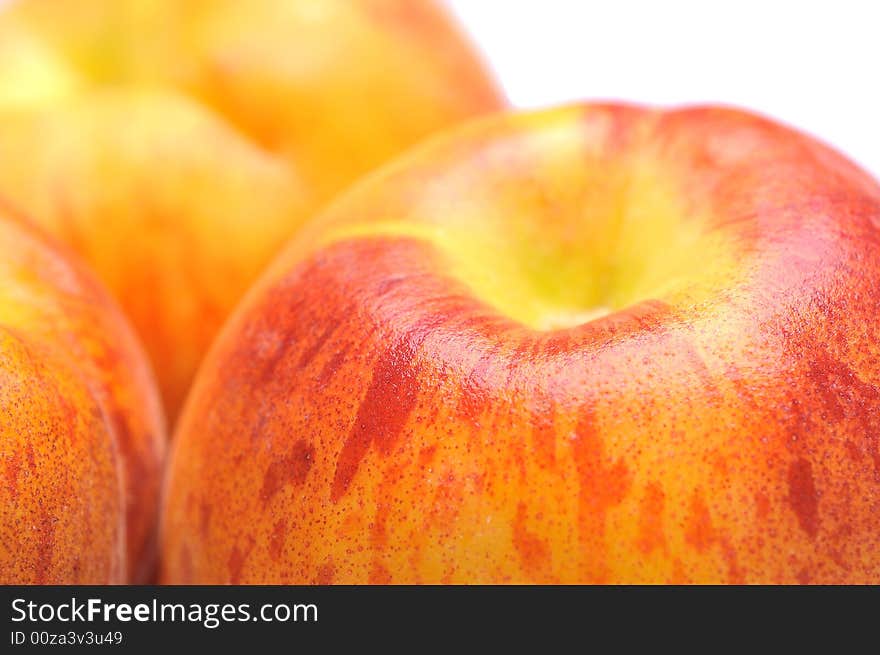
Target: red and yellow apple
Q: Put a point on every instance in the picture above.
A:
(596, 344)
(175, 145)
(81, 430)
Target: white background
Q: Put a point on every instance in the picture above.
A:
(814, 65)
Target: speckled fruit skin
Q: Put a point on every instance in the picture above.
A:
(371, 415)
(82, 437)
(177, 144)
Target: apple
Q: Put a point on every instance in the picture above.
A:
(82, 436)
(593, 344)
(176, 145)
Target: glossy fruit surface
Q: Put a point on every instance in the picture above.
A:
(596, 344)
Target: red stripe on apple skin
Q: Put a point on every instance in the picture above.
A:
(237, 557)
(802, 495)
(730, 440)
(534, 552)
(291, 468)
(326, 574)
(13, 468)
(383, 413)
(651, 535)
(276, 543)
(379, 574)
(699, 531)
(45, 528)
(604, 484)
(205, 511)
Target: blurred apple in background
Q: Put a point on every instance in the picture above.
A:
(82, 438)
(175, 145)
(597, 344)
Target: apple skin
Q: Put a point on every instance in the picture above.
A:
(168, 204)
(424, 387)
(201, 134)
(82, 437)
